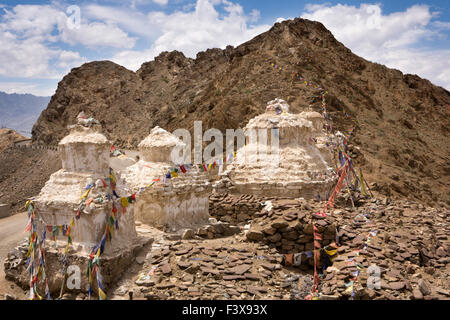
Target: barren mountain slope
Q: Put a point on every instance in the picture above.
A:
(23, 173)
(8, 137)
(402, 120)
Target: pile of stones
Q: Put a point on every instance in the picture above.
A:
(232, 208)
(387, 249)
(288, 226)
(213, 269)
(211, 230)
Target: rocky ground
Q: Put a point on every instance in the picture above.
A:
(226, 268)
(8, 137)
(404, 241)
(23, 173)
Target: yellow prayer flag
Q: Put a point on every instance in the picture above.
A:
(349, 290)
(84, 196)
(174, 174)
(124, 201)
(37, 294)
(101, 294)
(330, 252)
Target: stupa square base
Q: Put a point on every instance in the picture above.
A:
(112, 265)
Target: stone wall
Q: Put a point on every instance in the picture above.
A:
(234, 208)
(283, 224)
(112, 267)
(292, 236)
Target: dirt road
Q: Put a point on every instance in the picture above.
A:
(11, 233)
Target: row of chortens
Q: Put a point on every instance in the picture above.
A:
(302, 170)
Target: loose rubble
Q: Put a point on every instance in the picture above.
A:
(406, 242)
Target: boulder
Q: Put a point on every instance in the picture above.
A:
(254, 235)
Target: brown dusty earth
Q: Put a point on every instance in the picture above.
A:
(8, 137)
(23, 173)
(409, 245)
(407, 242)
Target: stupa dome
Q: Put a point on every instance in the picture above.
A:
(285, 155)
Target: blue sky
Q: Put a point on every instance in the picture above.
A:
(40, 41)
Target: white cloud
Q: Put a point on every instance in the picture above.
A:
(97, 34)
(131, 20)
(67, 59)
(394, 40)
(161, 2)
(255, 15)
(26, 58)
(24, 87)
(195, 30)
(441, 25)
(31, 37)
(45, 23)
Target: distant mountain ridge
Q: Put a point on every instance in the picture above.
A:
(20, 111)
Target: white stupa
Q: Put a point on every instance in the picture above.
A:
(85, 162)
(294, 162)
(176, 201)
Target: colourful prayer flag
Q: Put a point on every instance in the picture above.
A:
(124, 201)
(363, 186)
(84, 196)
(101, 294)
